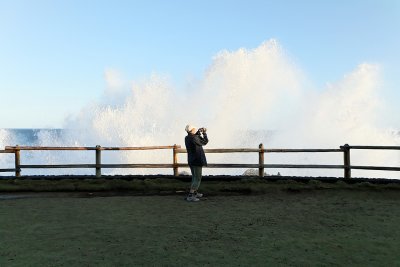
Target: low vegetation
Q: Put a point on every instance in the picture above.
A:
(171, 186)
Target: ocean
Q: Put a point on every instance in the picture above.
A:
(25, 137)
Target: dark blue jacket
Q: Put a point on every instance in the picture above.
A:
(194, 146)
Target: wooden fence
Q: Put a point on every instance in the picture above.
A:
(176, 149)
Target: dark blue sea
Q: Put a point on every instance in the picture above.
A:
(25, 137)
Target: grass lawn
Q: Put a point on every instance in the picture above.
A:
(336, 227)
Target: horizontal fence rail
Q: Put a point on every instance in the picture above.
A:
(8, 148)
(245, 150)
(175, 165)
(114, 166)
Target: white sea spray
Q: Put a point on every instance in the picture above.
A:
(246, 97)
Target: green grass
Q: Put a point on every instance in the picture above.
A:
(290, 227)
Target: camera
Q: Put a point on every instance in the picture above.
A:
(201, 130)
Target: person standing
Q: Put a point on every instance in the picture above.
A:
(194, 141)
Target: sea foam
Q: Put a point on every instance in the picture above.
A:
(245, 97)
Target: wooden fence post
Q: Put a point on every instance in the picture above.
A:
(98, 161)
(261, 161)
(175, 160)
(346, 161)
(17, 162)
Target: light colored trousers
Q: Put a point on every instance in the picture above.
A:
(196, 177)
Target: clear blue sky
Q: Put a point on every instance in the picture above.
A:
(53, 53)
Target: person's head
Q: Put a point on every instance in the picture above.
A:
(190, 129)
